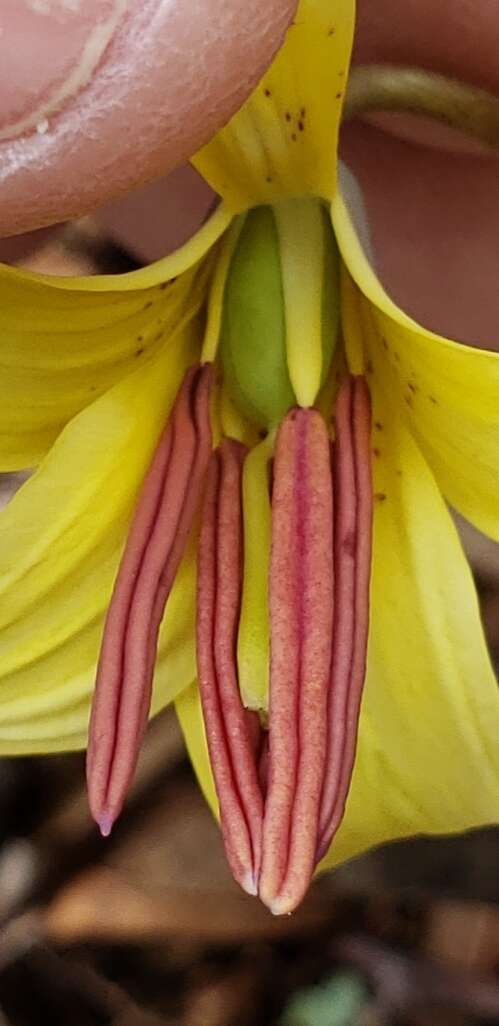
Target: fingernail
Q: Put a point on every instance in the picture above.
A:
(49, 49)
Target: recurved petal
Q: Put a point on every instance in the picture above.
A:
(449, 391)
(65, 341)
(427, 758)
(60, 541)
(280, 143)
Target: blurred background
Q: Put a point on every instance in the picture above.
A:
(147, 927)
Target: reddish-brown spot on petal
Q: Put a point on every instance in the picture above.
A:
(301, 616)
(232, 732)
(163, 518)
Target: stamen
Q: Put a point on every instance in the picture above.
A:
(232, 732)
(319, 611)
(301, 618)
(164, 514)
(352, 561)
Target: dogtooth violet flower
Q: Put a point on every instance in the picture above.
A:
(244, 453)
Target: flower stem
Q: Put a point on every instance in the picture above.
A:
(387, 87)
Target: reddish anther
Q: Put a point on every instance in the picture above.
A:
(319, 612)
(301, 618)
(352, 560)
(230, 729)
(164, 514)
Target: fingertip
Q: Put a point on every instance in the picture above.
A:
(162, 84)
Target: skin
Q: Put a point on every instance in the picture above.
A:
(98, 96)
(426, 197)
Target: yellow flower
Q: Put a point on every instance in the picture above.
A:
(90, 372)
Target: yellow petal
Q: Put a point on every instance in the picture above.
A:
(449, 391)
(283, 141)
(61, 537)
(427, 759)
(65, 341)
